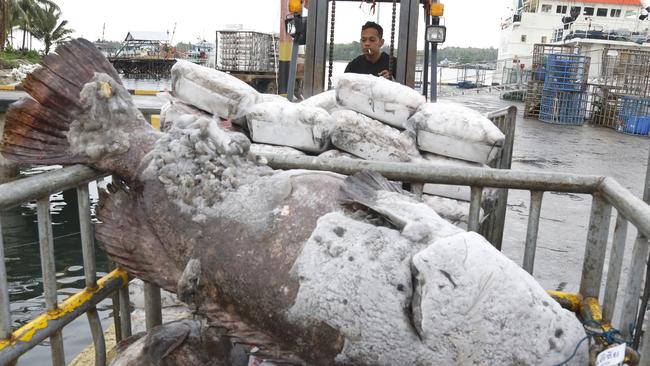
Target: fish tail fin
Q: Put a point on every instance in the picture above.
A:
(362, 187)
(36, 129)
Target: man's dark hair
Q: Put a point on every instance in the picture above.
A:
(374, 25)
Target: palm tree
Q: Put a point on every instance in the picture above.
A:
(19, 13)
(47, 28)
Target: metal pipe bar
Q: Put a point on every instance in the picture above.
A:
(594, 259)
(98, 336)
(5, 310)
(633, 286)
(634, 209)
(152, 306)
(18, 191)
(533, 228)
(475, 209)
(48, 267)
(90, 271)
(614, 269)
(430, 173)
(125, 312)
(45, 325)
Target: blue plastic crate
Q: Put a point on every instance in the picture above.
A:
(637, 125)
(561, 107)
(566, 72)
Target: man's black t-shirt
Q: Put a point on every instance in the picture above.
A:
(362, 66)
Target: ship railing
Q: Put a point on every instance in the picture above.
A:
(607, 194)
(597, 30)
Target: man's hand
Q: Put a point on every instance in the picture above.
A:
(385, 74)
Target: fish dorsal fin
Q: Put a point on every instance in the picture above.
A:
(130, 242)
(36, 128)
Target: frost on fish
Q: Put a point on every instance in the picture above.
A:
(490, 311)
(371, 140)
(452, 130)
(355, 276)
(213, 91)
(109, 112)
(325, 100)
(376, 97)
(289, 124)
(201, 163)
(452, 210)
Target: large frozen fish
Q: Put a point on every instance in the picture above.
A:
(301, 263)
(377, 97)
(450, 129)
(213, 91)
(290, 124)
(371, 140)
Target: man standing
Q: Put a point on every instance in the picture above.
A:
(373, 61)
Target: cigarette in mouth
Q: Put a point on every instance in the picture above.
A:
(370, 52)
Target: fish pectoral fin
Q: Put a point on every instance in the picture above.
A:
(189, 285)
(162, 343)
(129, 240)
(360, 190)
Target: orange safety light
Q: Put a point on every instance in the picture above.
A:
(295, 6)
(437, 9)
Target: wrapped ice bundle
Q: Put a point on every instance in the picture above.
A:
(325, 100)
(376, 97)
(261, 149)
(172, 111)
(451, 191)
(288, 124)
(465, 287)
(273, 98)
(371, 140)
(452, 130)
(213, 91)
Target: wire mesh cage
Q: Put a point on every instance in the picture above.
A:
(566, 72)
(246, 51)
(541, 52)
(626, 71)
(563, 107)
(621, 100)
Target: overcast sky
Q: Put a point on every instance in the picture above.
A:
(470, 23)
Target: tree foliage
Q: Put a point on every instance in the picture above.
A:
(22, 14)
(47, 26)
(348, 51)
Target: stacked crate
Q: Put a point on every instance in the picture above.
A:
(621, 100)
(244, 51)
(564, 96)
(535, 85)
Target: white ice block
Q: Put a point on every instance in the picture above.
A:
(379, 98)
(288, 124)
(370, 139)
(213, 91)
(455, 131)
(325, 100)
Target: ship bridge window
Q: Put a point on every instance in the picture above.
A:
(601, 12)
(630, 13)
(615, 13)
(589, 11)
(561, 9)
(546, 8)
(523, 38)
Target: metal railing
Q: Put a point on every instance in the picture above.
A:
(58, 315)
(606, 193)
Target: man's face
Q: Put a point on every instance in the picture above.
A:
(370, 42)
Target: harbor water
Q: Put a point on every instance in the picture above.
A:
(538, 147)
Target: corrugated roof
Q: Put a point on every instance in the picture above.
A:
(147, 36)
(616, 2)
